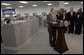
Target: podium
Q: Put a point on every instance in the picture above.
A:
(60, 45)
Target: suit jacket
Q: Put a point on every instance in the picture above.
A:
(79, 19)
(71, 18)
(82, 17)
(50, 19)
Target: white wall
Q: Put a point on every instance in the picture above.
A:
(39, 10)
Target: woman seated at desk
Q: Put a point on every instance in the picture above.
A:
(23, 18)
(9, 21)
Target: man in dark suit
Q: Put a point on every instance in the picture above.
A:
(78, 24)
(71, 16)
(81, 18)
(51, 20)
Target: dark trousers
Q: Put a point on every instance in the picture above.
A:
(78, 28)
(52, 35)
(65, 29)
(71, 28)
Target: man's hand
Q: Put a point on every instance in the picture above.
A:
(54, 22)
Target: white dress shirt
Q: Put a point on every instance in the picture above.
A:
(71, 13)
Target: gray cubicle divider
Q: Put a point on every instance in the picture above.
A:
(15, 36)
(41, 21)
(39, 18)
(9, 38)
(44, 17)
(44, 22)
(23, 32)
(8, 35)
(35, 25)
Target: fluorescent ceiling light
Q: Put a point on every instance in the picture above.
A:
(21, 6)
(81, 2)
(34, 5)
(5, 4)
(49, 4)
(45, 1)
(8, 7)
(24, 2)
(66, 3)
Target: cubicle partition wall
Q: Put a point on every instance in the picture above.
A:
(42, 21)
(16, 35)
(44, 17)
(9, 38)
(34, 25)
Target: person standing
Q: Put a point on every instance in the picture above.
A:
(78, 24)
(71, 16)
(59, 16)
(64, 18)
(51, 20)
(81, 10)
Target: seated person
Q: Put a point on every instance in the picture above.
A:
(9, 21)
(5, 20)
(23, 18)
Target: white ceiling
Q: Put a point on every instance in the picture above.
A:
(15, 4)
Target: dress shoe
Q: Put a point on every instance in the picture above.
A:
(52, 45)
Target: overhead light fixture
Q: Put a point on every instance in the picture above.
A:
(21, 6)
(5, 4)
(66, 3)
(81, 2)
(24, 2)
(45, 1)
(8, 7)
(49, 4)
(34, 5)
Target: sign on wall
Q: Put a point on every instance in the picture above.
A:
(8, 11)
